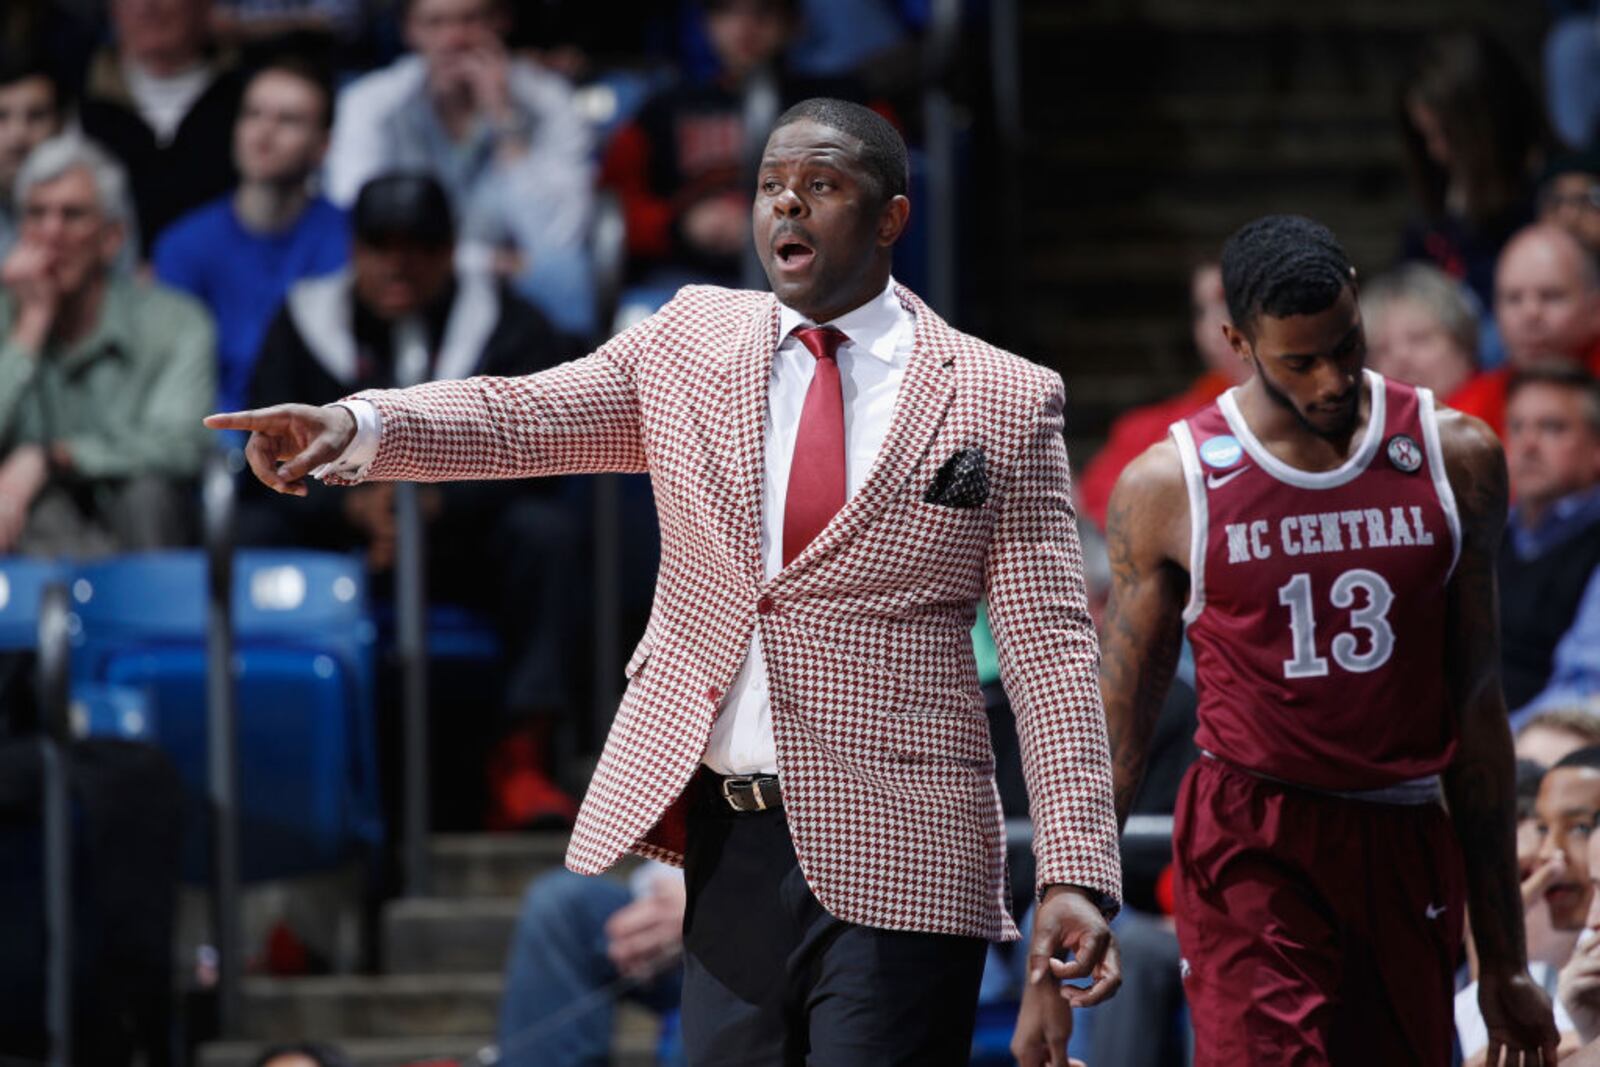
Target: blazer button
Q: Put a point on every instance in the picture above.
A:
(764, 606)
(714, 695)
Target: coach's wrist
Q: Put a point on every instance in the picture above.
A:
(1105, 902)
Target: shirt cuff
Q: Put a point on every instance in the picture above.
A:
(352, 463)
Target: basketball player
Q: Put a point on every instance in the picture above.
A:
(1328, 538)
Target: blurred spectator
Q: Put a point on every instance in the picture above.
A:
(238, 255)
(1421, 328)
(1569, 197)
(255, 24)
(1578, 990)
(1547, 302)
(580, 945)
(682, 166)
(500, 133)
(1137, 430)
(1572, 75)
(302, 1054)
(102, 381)
(1545, 944)
(1548, 737)
(31, 111)
(1567, 805)
(59, 33)
(402, 299)
(1551, 550)
(1474, 133)
(164, 103)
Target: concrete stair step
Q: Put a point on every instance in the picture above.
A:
(492, 865)
(635, 1033)
(436, 936)
(455, 1005)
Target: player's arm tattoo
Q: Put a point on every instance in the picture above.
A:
(1480, 784)
(1141, 631)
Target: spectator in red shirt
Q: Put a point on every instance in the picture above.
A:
(1547, 304)
(1142, 427)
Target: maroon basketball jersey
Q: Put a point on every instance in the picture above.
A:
(1317, 599)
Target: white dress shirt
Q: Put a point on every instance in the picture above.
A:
(872, 361)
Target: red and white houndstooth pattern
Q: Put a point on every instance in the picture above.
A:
(883, 745)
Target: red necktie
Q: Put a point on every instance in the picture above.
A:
(816, 472)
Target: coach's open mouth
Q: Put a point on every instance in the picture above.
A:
(793, 254)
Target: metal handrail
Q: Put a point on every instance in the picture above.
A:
(55, 716)
(608, 250)
(938, 115)
(222, 729)
(411, 626)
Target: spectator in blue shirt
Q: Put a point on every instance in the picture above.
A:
(239, 254)
(1551, 552)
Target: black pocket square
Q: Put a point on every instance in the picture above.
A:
(961, 482)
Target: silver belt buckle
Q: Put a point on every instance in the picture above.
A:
(747, 782)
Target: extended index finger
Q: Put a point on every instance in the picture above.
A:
(258, 419)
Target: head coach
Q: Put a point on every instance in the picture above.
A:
(840, 477)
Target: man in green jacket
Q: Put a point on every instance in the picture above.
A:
(103, 381)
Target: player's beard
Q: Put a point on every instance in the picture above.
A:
(1282, 399)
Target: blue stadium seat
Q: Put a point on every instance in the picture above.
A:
(303, 661)
(22, 582)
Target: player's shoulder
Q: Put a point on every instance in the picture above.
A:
(1153, 473)
(1466, 441)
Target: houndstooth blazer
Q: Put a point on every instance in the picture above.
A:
(882, 740)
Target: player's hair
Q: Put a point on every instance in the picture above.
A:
(1586, 757)
(883, 150)
(1530, 773)
(1579, 380)
(1282, 265)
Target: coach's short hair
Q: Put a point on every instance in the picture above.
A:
(1282, 265)
(883, 150)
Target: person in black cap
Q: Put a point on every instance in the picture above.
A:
(402, 313)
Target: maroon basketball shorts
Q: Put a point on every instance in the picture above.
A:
(1314, 929)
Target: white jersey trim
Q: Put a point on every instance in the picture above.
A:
(1199, 519)
(1441, 480)
(1349, 471)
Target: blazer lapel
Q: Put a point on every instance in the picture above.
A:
(925, 395)
(744, 393)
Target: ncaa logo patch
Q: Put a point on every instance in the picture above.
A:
(1223, 451)
(1405, 454)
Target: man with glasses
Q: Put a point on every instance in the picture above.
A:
(1569, 197)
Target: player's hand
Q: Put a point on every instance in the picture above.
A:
(1517, 1014)
(288, 441)
(1068, 919)
(1044, 1023)
(649, 931)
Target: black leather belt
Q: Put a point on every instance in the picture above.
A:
(748, 792)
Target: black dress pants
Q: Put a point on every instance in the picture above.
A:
(770, 978)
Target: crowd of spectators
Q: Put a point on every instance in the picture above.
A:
(218, 204)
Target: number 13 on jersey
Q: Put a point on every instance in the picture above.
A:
(1375, 597)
